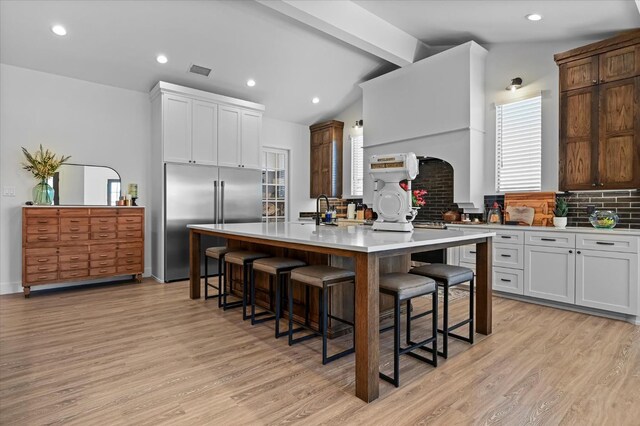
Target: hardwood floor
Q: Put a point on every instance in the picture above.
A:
(146, 354)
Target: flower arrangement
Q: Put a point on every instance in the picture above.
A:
(43, 163)
(417, 195)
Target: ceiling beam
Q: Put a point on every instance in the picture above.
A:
(355, 25)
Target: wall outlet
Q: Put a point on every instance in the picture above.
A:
(8, 191)
(590, 208)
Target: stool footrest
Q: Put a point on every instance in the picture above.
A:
(416, 345)
(231, 305)
(339, 355)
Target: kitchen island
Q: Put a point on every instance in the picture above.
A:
(370, 250)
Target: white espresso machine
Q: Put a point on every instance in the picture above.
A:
(390, 201)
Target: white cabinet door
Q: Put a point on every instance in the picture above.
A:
(204, 144)
(549, 273)
(250, 136)
(229, 136)
(607, 280)
(176, 129)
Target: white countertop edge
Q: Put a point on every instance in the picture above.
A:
(357, 248)
(573, 229)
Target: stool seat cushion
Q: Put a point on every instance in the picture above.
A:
(241, 256)
(406, 286)
(216, 252)
(318, 275)
(273, 265)
(445, 274)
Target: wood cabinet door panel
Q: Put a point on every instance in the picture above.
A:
(316, 159)
(325, 169)
(620, 64)
(579, 73)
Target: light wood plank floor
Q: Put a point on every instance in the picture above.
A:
(145, 354)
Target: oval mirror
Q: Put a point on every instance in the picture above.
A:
(86, 185)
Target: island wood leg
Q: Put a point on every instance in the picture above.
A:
(484, 280)
(367, 326)
(194, 264)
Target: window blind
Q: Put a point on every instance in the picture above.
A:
(519, 145)
(357, 165)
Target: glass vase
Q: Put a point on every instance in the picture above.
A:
(43, 194)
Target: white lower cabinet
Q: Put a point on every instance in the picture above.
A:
(607, 280)
(549, 273)
(508, 280)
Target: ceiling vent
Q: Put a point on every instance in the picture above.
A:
(197, 69)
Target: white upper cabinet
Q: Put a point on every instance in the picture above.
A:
(229, 136)
(176, 128)
(250, 135)
(204, 143)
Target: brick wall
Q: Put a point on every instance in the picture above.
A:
(436, 176)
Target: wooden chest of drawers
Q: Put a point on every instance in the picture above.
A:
(61, 244)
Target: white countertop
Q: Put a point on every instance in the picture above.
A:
(572, 229)
(355, 238)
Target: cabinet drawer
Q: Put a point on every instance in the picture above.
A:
(73, 228)
(508, 280)
(103, 255)
(73, 212)
(130, 227)
(36, 269)
(130, 252)
(44, 238)
(509, 237)
(42, 229)
(41, 251)
(74, 221)
(103, 227)
(129, 219)
(102, 263)
(129, 260)
(550, 239)
(619, 243)
(77, 249)
(508, 256)
(103, 235)
(43, 277)
(81, 273)
(102, 220)
(468, 253)
(74, 257)
(129, 234)
(130, 269)
(75, 237)
(41, 212)
(72, 266)
(42, 221)
(104, 212)
(102, 271)
(41, 260)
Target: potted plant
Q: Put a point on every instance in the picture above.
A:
(560, 212)
(43, 164)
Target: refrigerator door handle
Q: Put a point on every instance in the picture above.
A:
(222, 202)
(215, 202)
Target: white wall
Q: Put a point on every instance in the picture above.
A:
(93, 123)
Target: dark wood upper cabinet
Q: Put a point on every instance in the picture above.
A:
(326, 159)
(599, 117)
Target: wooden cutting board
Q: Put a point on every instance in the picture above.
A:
(542, 202)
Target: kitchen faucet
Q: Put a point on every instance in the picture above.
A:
(318, 207)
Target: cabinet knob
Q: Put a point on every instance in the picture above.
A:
(579, 252)
(570, 251)
(601, 184)
(194, 161)
(594, 81)
(593, 184)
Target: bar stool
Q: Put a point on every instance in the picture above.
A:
(448, 276)
(218, 254)
(245, 259)
(404, 287)
(279, 269)
(322, 277)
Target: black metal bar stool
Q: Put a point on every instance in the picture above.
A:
(448, 276)
(245, 259)
(322, 277)
(279, 269)
(404, 287)
(218, 254)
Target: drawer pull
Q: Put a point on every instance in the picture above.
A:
(74, 220)
(75, 257)
(73, 237)
(472, 252)
(43, 277)
(129, 220)
(130, 235)
(43, 238)
(129, 254)
(103, 235)
(129, 260)
(42, 229)
(547, 239)
(102, 263)
(43, 221)
(75, 274)
(74, 229)
(42, 268)
(102, 220)
(506, 237)
(103, 270)
(103, 255)
(505, 255)
(505, 280)
(44, 259)
(604, 243)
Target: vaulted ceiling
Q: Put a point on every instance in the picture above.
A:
(116, 43)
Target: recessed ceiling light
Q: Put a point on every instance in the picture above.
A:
(251, 82)
(59, 30)
(534, 17)
(315, 100)
(162, 59)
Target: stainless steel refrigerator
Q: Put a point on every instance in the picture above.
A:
(204, 195)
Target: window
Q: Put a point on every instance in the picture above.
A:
(519, 146)
(357, 165)
(274, 185)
